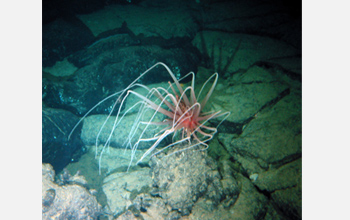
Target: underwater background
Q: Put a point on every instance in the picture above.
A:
(252, 169)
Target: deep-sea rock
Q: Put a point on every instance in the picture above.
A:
(121, 188)
(241, 51)
(182, 178)
(278, 20)
(94, 130)
(104, 71)
(271, 139)
(188, 185)
(284, 185)
(269, 148)
(56, 148)
(67, 201)
(63, 37)
(249, 93)
(250, 204)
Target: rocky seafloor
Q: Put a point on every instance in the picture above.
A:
(252, 168)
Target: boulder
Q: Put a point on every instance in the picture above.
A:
(121, 189)
(56, 148)
(104, 70)
(69, 201)
(182, 178)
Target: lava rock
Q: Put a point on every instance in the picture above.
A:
(106, 70)
(182, 178)
(68, 201)
(56, 148)
(121, 188)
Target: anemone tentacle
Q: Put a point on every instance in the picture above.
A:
(182, 113)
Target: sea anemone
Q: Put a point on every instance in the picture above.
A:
(182, 115)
